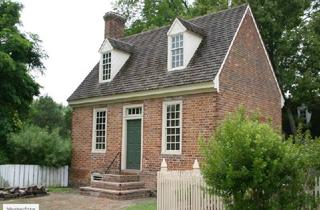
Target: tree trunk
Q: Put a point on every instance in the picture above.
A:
(292, 123)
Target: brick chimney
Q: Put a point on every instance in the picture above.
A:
(114, 25)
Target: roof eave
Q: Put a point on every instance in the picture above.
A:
(140, 95)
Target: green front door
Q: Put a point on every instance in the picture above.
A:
(133, 144)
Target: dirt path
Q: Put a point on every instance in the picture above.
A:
(75, 201)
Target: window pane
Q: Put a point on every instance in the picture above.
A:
(106, 66)
(168, 138)
(177, 130)
(173, 146)
(173, 126)
(177, 51)
(100, 132)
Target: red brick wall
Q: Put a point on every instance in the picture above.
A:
(199, 118)
(247, 79)
(114, 28)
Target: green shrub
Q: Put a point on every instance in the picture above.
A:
(34, 145)
(251, 167)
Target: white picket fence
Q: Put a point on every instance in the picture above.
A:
(184, 190)
(30, 175)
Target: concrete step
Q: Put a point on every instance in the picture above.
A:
(117, 185)
(120, 178)
(115, 194)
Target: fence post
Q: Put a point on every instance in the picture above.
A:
(196, 168)
(164, 167)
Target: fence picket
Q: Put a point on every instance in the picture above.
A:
(29, 175)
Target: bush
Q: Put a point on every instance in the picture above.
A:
(34, 145)
(249, 165)
(309, 150)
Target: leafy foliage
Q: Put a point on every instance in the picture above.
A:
(19, 53)
(34, 145)
(309, 150)
(46, 113)
(249, 165)
(147, 14)
(45, 137)
(3, 157)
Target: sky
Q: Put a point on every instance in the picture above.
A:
(71, 32)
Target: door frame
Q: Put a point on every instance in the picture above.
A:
(125, 117)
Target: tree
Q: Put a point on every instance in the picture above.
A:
(19, 54)
(251, 167)
(147, 14)
(302, 78)
(34, 145)
(45, 135)
(46, 113)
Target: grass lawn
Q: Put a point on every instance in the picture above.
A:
(143, 206)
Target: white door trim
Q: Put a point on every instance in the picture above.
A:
(125, 117)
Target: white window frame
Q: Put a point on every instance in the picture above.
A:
(101, 66)
(94, 121)
(171, 49)
(164, 127)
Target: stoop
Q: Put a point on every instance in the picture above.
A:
(116, 186)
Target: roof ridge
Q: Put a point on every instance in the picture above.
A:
(194, 18)
(218, 12)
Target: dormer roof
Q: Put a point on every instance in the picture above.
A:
(147, 67)
(118, 44)
(192, 27)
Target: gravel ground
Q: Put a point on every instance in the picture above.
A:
(74, 201)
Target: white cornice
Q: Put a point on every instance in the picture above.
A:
(141, 95)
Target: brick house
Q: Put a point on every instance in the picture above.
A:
(154, 93)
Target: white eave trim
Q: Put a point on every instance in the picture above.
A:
(176, 21)
(104, 43)
(163, 92)
(216, 81)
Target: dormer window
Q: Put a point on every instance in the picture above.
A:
(106, 66)
(183, 40)
(177, 50)
(113, 55)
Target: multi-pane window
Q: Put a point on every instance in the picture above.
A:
(177, 51)
(106, 66)
(172, 127)
(134, 111)
(99, 141)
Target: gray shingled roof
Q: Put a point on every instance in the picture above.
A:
(121, 45)
(146, 69)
